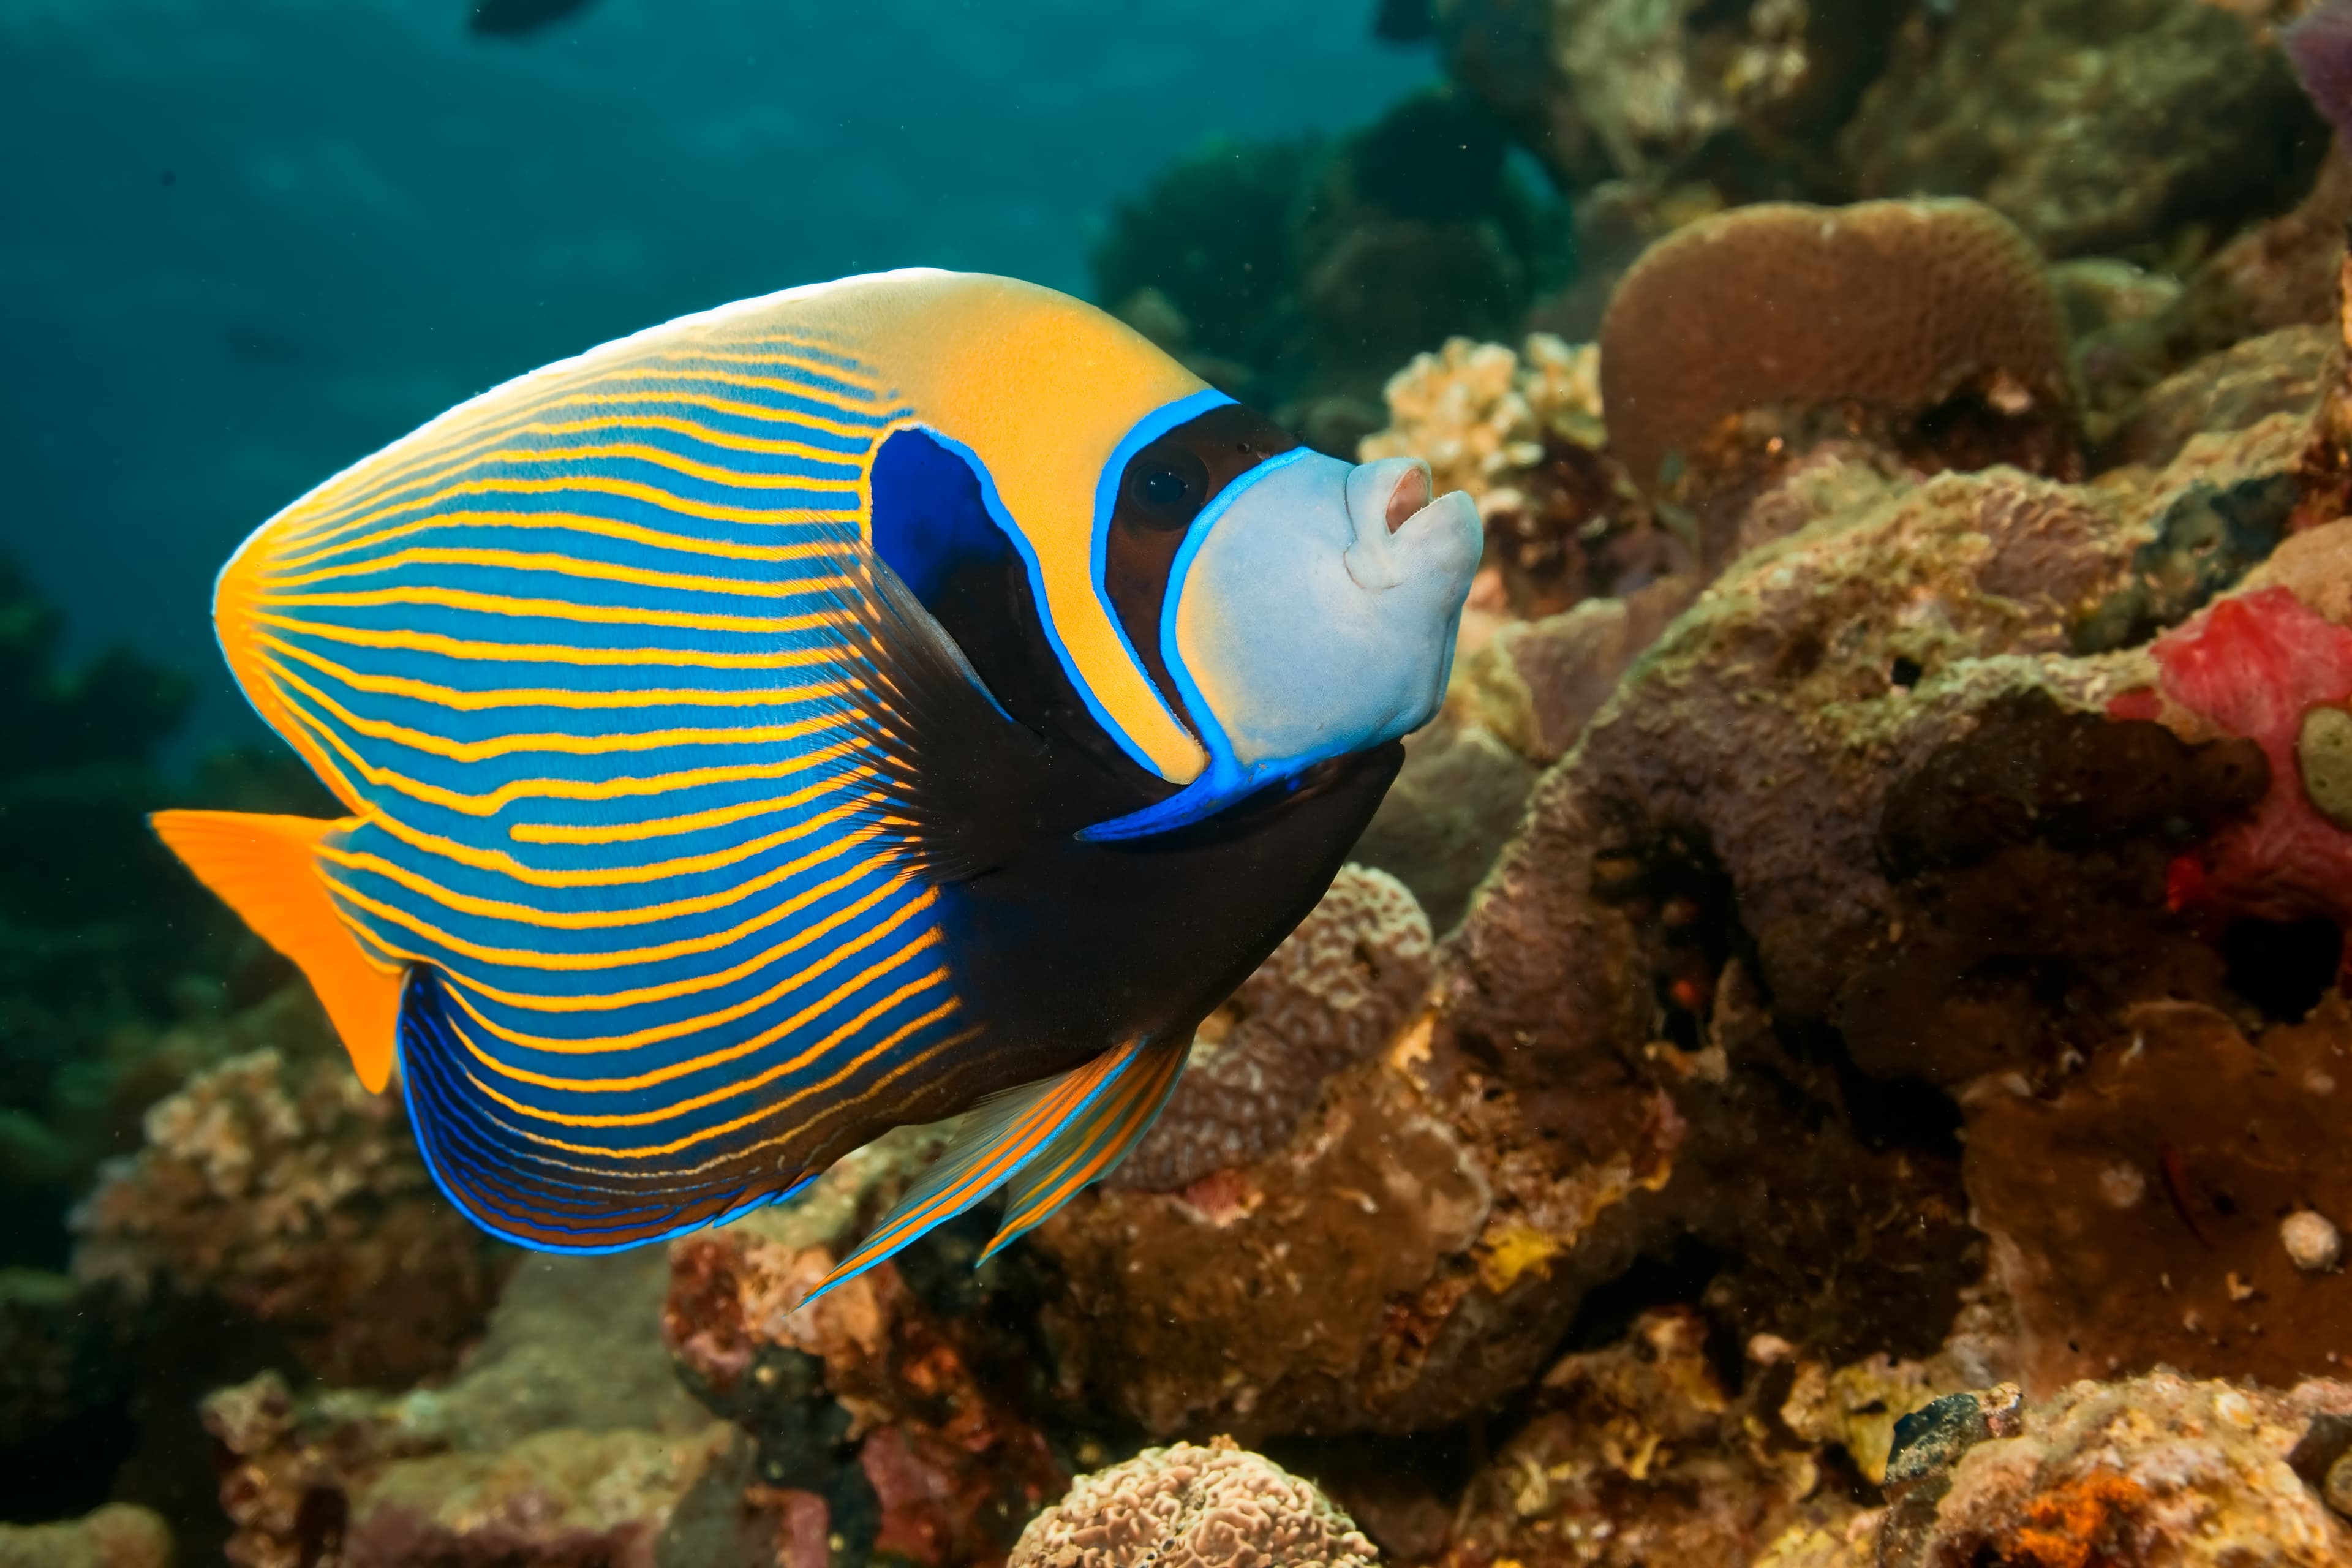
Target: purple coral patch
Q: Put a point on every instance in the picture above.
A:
(2319, 46)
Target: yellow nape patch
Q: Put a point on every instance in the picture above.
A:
(262, 868)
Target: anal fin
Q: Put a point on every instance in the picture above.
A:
(1090, 1145)
(996, 1139)
(264, 869)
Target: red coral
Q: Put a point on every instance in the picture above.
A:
(2254, 665)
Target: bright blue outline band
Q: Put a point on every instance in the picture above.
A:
(1224, 781)
(1147, 429)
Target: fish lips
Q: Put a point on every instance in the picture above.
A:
(1306, 624)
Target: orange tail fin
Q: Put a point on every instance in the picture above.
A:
(262, 868)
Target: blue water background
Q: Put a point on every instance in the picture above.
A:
(245, 242)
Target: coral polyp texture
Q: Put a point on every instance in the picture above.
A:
(1893, 306)
(1187, 1506)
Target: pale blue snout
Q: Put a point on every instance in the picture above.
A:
(1317, 613)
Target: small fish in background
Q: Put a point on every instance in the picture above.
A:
(2318, 44)
(519, 18)
(904, 697)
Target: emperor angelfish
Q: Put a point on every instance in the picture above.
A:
(902, 697)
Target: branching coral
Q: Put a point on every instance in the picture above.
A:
(1193, 1507)
(1522, 435)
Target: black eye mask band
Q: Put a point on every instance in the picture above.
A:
(1163, 489)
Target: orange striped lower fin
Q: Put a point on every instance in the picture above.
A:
(263, 868)
(995, 1140)
(1090, 1145)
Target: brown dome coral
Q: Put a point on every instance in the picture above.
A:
(1895, 306)
(1190, 1507)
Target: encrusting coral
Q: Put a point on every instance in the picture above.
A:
(1191, 1507)
(1331, 995)
(2162, 1471)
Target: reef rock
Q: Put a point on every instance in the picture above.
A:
(565, 1439)
(2159, 1470)
(274, 1183)
(1637, 1454)
(1191, 1507)
(2050, 112)
(1331, 995)
(120, 1535)
(1454, 805)
(880, 1415)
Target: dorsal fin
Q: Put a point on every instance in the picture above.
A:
(263, 868)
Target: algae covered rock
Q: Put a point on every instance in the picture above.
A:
(276, 1184)
(2094, 124)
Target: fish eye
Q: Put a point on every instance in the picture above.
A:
(1166, 487)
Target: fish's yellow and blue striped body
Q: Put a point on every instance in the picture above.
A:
(842, 710)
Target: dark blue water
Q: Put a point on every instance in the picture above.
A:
(242, 244)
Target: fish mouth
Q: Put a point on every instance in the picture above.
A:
(1402, 530)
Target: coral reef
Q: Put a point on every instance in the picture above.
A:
(1191, 1507)
(1897, 309)
(1328, 997)
(1522, 435)
(565, 1439)
(120, 1535)
(65, 1377)
(275, 1183)
(880, 1415)
(2070, 159)
(2159, 1470)
(1299, 275)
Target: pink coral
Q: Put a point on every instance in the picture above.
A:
(2257, 666)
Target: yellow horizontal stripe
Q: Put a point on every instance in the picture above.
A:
(484, 700)
(498, 799)
(702, 1102)
(560, 610)
(620, 743)
(582, 962)
(778, 350)
(696, 822)
(285, 561)
(678, 1028)
(585, 568)
(375, 490)
(592, 484)
(466, 649)
(500, 863)
(739, 1158)
(613, 1001)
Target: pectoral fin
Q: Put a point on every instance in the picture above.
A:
(1091, 1144)
(263, 868)
(996, 1138)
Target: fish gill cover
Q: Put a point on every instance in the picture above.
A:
(1834, 1047)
